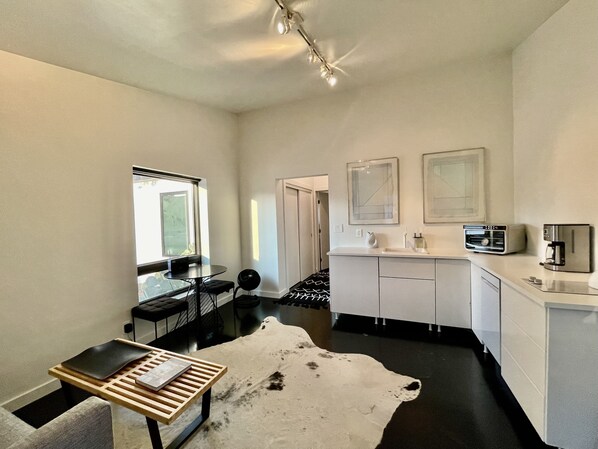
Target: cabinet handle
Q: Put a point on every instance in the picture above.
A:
(490, 284)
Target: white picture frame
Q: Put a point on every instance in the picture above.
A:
(373, 188)
(454, 186)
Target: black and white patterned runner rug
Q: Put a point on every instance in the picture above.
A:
(313, 292)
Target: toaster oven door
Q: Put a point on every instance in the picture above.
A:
(485, 241)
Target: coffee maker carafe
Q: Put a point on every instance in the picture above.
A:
(568, 247)
(555, 254)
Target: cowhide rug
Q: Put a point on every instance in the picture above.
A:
(282, 391)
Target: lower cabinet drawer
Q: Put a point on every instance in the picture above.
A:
(407, 267)
(530, 357)
(528, 396)
(408, 299)
(528, 315)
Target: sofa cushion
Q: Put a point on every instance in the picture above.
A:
(12, 429)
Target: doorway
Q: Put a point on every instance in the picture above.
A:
(323, 228)
(306, 227)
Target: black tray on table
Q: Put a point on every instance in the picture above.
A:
(104, 360)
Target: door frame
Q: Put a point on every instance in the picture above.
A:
(318, 224)
(280, 185)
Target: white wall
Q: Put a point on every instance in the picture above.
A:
(555, 91)
(68, 142)
(453, 107)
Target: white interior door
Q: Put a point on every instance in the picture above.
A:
(291, 229)
(324, 229)
(306, 238)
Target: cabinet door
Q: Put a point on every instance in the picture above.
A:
(408, 299)
(407, 267)
(572, 386)
(452, 293)
(354, 285)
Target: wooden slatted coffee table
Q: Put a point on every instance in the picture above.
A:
(165, 405)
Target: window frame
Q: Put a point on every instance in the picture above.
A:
(162, 265)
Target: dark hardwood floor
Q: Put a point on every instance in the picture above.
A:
(463, 402)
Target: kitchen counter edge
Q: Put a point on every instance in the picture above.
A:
(379, 252)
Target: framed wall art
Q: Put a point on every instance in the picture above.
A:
(373, 191)
(454, 186)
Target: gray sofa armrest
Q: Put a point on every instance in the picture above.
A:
(88, 425)
(12, 429)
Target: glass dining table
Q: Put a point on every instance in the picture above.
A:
(197, 275)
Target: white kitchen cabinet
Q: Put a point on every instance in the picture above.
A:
(490, 311)
(407, 289)
(453, 293)
(407, 299)
(523, 355)
(572, 380)
(407, 267)
(354, 285)
(420, 289)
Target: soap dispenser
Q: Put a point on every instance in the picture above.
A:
(419, 242)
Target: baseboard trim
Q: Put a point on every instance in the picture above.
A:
(32, 395)
(270, 294)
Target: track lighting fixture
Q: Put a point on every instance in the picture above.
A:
(289, 20)
(283, 25)
(311, 56)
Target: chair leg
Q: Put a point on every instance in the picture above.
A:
(235, 311)
(134, 337)
(188, 349)
(155, 330)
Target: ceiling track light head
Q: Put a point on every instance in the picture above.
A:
(289, 20)
(331, 79)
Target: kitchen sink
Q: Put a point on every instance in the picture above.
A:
(405, 251)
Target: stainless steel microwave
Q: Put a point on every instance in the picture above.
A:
(494, 238)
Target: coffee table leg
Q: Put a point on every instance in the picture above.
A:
(206, 400)
(154, 432)
(67, 390)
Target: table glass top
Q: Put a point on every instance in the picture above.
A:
(197, 272)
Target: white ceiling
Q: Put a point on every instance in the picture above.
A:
(227, 53)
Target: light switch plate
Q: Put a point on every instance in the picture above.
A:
(358, 232)
(338, 228)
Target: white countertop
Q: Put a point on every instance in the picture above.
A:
(511, 269)
(402, 252)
